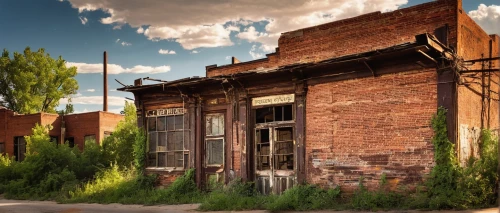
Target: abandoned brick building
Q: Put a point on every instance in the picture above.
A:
(73, 128)
(335, 102)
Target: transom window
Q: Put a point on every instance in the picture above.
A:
(168, 140)
(274, 114)
(214, 137)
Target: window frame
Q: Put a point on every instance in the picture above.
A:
(185, 152)
(212, 137)
(2, 148)
(16, 144)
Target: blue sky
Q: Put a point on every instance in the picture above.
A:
(171, 39)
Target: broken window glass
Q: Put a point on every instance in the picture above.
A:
(274, 114)
(214, 124)
(168, 139)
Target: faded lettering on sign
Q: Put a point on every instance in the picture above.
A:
(166, 112)
(274, 99)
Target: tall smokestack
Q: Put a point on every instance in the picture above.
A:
(105, 74)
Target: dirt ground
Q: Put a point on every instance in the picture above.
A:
(22, 206)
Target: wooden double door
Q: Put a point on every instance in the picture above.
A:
(275, 158)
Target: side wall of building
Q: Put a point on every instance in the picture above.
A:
(354, 35)
(370, 126)
(478, 97)
(107, 123)
(80, 125)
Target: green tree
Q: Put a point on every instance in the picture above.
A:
(120, 147)
(34, 82)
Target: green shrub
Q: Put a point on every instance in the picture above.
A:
(119, 147)
(305, 197)
(375, 200)
(236, 196)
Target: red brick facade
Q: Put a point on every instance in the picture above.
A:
(77, 126)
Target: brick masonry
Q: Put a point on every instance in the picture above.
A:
(366, 127)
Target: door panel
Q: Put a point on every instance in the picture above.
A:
(275, 158)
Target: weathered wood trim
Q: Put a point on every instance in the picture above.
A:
(192, 136)
(228, 142)
(198, 149)
(300, 112)
(243, 125)
(447, 98)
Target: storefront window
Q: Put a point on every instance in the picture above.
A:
(168, 139)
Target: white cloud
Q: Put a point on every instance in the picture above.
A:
(112, 90)
(488, 17)
(83, 111)
(124, 43)
(166, 52)
(91, 90)
(84, 20)
(195, 52)
(191, 28)
(228, 57)
(269, 41)
(117, 69)
(97, 100)
(253, 52)
(117, 40)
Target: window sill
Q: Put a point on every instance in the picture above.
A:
(165, 169)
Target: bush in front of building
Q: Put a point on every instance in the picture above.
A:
(116, 185)
(236, 196)
(451, 186)
(47, 168)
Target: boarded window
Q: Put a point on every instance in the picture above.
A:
(19, 148)
(168, 138)
(214, 139)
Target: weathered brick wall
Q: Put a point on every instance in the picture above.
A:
(3, 127)
(473, 115)
(55, 121)
(369, 126)
(19, 125)
(80, 125)
(359, 34)
(107, 123)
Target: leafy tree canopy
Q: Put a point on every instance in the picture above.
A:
(33, 82)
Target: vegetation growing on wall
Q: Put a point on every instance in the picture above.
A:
(102, 174)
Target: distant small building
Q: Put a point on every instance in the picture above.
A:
(73, 129)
